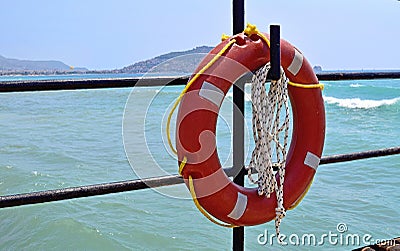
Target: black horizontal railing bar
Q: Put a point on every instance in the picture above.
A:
(326, 76)
(138, 184)
(87, 191)
(76, 84)
(360, 155)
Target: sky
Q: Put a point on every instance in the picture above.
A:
(110, 34)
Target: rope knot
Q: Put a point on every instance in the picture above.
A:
(251, 29)
(224, 37)
(280, 212)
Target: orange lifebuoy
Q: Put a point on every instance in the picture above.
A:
(196, 127)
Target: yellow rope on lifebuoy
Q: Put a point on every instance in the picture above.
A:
(208, 65)
(224, 37)
(319, 85)
(252, 29)
(201, 209)
(196, 201)
(297, 202)
(182, 165)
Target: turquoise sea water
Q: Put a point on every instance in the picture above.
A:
(59, 139)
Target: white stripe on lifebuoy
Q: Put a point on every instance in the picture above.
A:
(212, 93)
(240, 207)
(311, 160)
(297, 62)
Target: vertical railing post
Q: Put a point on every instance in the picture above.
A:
(238, 123)
(275, 37)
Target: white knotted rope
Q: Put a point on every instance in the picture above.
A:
(267, 131)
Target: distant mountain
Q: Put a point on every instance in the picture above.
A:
(16, 65)
(180, 62)
(183, 62)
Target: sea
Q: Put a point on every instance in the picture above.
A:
(60, 139)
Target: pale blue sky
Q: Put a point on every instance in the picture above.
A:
(108, 34)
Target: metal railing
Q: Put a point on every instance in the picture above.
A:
(139, 184)
(77, 84)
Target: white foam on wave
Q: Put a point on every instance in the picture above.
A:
(356, 85)
(360, 103)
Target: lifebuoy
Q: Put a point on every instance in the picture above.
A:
(196, 127)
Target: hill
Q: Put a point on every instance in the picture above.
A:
(183, 62)
(180, 62)
(16, 65)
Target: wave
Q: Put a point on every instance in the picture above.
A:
(356, 85)
(360, 103)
